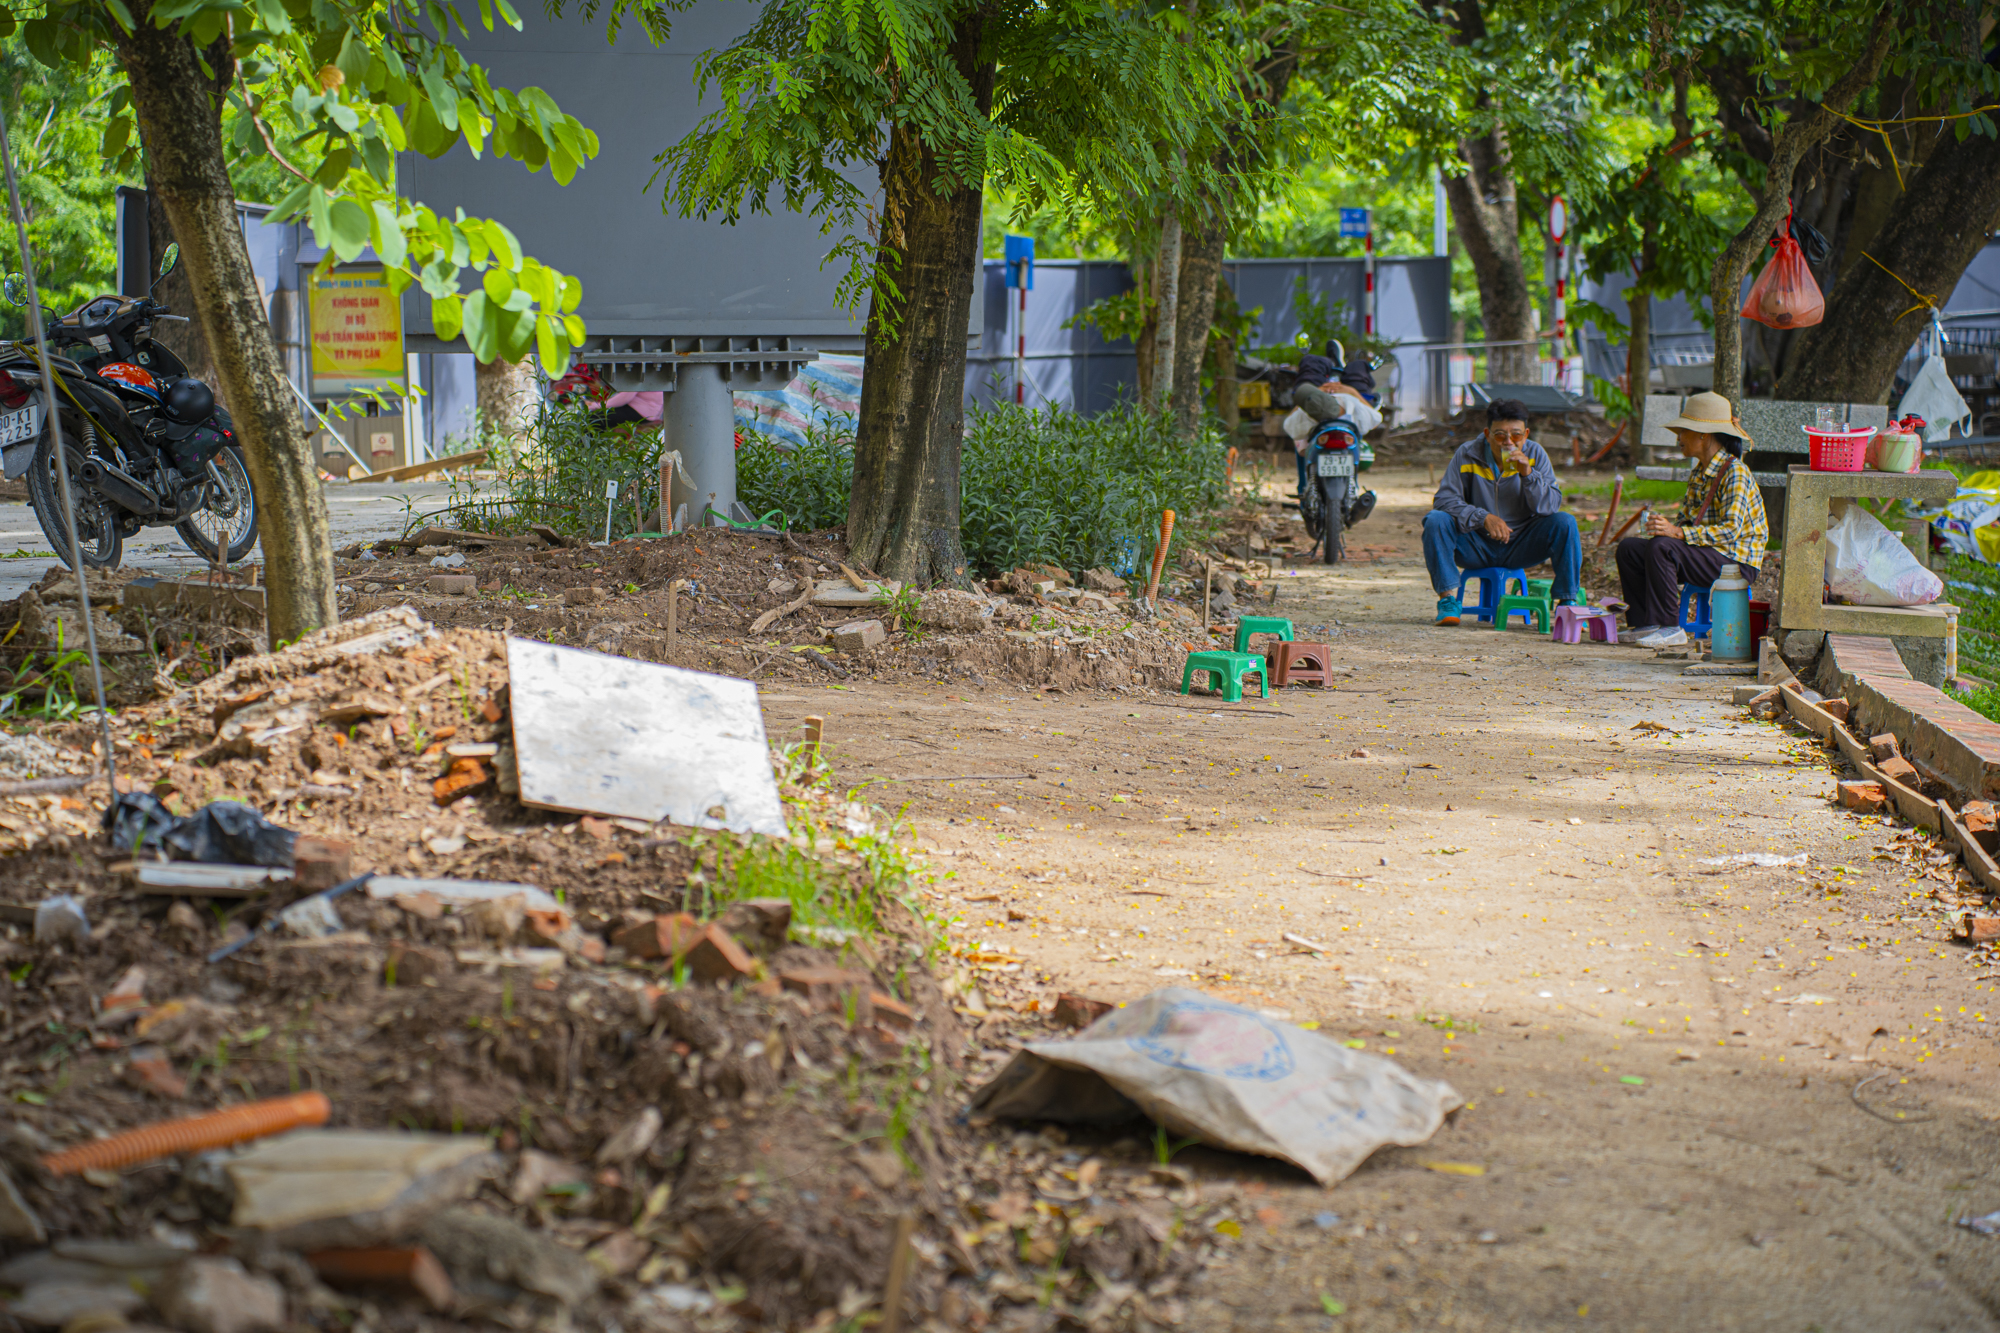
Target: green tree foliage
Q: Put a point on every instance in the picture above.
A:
(56, 122)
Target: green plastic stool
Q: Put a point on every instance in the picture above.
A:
(1541, 588)
(1225, 673)
(1249, 625)
(1524, 604)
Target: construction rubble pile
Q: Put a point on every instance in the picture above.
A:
(478, 1062)
(765, 607)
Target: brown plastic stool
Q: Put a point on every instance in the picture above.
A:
(1307, 663)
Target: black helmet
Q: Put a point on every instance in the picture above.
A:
(190, 401)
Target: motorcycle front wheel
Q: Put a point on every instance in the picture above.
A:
(1333, 493)
(230, 514)
(98, 541)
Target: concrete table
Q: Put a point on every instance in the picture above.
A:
(1803, 583)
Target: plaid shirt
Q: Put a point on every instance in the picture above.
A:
(1734, 523)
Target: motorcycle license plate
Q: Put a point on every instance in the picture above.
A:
(1336, 465)
(25, 424)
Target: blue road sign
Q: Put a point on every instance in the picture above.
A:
(1020, 251)
(1354, 222)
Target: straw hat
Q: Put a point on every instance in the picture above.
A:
(1709, 413)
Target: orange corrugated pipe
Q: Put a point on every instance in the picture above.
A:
(1229, 475)
(1160, 555)
(217, 1129)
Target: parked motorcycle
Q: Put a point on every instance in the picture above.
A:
(1332, 500)
(145, 444)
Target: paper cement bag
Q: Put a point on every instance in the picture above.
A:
(1228, 1076)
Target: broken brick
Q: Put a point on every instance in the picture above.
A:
(760, 923)
(600, 829)
(1079, 1011)
(319, 863)
(1883, 747)
(1975, 929)
(714, 955)
(1835, 709)
(452, 585)
(824, 987)
(662, 937)
(1866, 798)
(1899, 768)
(127, 999)
(397, 1270)
(466, 776)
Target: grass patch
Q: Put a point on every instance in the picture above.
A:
(1636, 488)
(1974, 587)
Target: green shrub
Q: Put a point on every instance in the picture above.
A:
(1038, 485)
(559, 477)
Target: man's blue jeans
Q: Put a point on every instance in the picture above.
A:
(1550, 537)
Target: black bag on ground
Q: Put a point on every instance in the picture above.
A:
(221, 833)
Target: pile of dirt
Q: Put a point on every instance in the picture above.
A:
(666, 1153)
(1040, 632)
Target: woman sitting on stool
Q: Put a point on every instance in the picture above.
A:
(1721, 521)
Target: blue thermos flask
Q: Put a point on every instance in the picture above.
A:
(1729, 617)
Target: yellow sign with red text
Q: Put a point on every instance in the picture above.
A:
(357, 334)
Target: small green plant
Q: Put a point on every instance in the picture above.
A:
(901, 608)
(1330, 1305)
(1165, 1149)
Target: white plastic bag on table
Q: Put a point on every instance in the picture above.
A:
(1868, 565)
(1227, 1075)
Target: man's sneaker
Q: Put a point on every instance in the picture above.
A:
(1448, 610)
(1665, 637)
(1638, 633)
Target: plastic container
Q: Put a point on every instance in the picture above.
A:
(1895, 451)
(1729, 637)
(1760, 620)
(1841, 449)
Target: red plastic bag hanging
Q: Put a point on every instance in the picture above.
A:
(1785, 295)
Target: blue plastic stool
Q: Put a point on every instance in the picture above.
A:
(1696, 628)
(1492, 586)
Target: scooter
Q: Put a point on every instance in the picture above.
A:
(1332, 500)
(145, 443)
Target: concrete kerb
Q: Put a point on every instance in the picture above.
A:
(1945, 740)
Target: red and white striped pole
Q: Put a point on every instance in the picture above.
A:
(1368, 281)
(1021, 341)
(1558, 231)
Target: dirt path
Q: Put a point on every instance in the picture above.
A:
(1745, 1100)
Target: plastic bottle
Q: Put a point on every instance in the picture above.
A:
(1729, 616)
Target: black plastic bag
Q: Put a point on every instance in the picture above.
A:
(222, 833)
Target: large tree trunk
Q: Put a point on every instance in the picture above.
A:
(1931, 237)
(505, 393)
(1227, 406)
(179, 111)
(1806, 127)
(1486, 216)
(1201, 270)
(903, 515)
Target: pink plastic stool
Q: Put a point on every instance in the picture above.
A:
(1572, 621)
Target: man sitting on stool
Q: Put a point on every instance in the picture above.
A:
(1499, 507)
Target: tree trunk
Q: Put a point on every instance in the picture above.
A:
(1144, 273)
(179, 110)
(1935, 230)
(1638, 354)
(1807, 127)
(1486, 216)
(1166, 323)
(505, 393)
(1201, 270)
(903, 514)
(1227, 406)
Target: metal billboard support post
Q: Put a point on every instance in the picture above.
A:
(701, 423)
(36, 331)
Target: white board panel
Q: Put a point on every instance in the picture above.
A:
(614, 736)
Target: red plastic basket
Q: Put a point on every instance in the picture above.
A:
(1839, 450)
